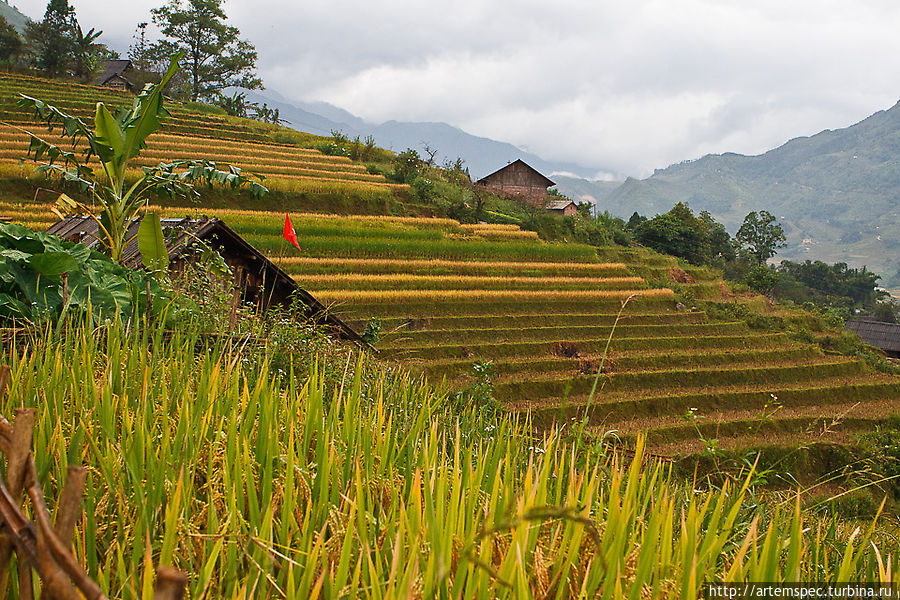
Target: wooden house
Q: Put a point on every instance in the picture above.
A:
(113, 75)
(566, 208)
(260, 281)
(520, 181)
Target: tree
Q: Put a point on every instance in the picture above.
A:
(114, 141)
(762, 235)
(10, 42)
(86, 52)
(216, 58)
(51, 41)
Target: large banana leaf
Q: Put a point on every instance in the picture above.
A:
(152, 244)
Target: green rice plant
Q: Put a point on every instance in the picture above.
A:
(595, 345)
(425, 338)
(772, 375)
(315, 266)
(454, 249)
(463, 282)
(495, 295)
(374, 489)
(672, 403)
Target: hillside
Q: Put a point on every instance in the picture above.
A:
(835, 192)
(289, 160)
(448, 296)
(13, 16)
(680, 360)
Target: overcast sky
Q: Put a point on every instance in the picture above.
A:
(623, 87)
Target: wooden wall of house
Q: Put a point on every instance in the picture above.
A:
(518, 179)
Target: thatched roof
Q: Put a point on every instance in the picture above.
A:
(112, 69)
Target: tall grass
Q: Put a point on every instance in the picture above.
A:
(379, 489)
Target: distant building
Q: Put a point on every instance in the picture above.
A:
(518, 180)
(566, 208)
(113, 75)
(260, 281)
(877, 333)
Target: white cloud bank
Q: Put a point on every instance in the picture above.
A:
(619, 86)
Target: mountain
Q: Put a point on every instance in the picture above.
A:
(481, 155)
(836, 193)
(13, 16)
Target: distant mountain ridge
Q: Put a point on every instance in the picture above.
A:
(13, 16)
(481, 155)
(837, 193)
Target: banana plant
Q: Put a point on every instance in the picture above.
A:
(118, 196)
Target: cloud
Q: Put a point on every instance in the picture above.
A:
(620, 87)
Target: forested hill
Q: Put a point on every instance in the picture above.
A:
(837, 193)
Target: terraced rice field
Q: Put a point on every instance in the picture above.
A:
(187, 134)
(448, 295)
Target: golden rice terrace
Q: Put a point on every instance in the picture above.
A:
(547, 316)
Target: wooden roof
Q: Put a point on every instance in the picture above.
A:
(181, 233)
(546, 180)
(876, 333)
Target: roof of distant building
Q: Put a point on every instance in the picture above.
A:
(111, 69)
(559, 204)
(876, 333)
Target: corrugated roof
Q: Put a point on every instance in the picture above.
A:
(180, 233)
(558, 204)
(876, 333)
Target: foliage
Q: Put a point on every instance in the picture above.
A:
(762, 279)
(886, 312)
(217, 58)
(859, 285)
(115, 141)
(407, 166)
(43, 278)
(881, 449)
(699, 240)
(372, 332)
(762, 235)
(10, 42)
(50, 41)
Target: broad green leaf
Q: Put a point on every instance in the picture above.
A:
(152, 243)
(110, 140)
(145, 115)
(53, 264)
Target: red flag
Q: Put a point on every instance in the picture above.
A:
(289, 233)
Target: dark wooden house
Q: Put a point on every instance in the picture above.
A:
(260, 281)
(877, 333)
(114, 75)
(518, 180)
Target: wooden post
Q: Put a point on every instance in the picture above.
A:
(170, 584)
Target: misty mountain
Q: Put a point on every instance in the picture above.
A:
(13, 16)
(481, 155)
(837, 193)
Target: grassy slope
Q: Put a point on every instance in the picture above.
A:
(449, 295)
